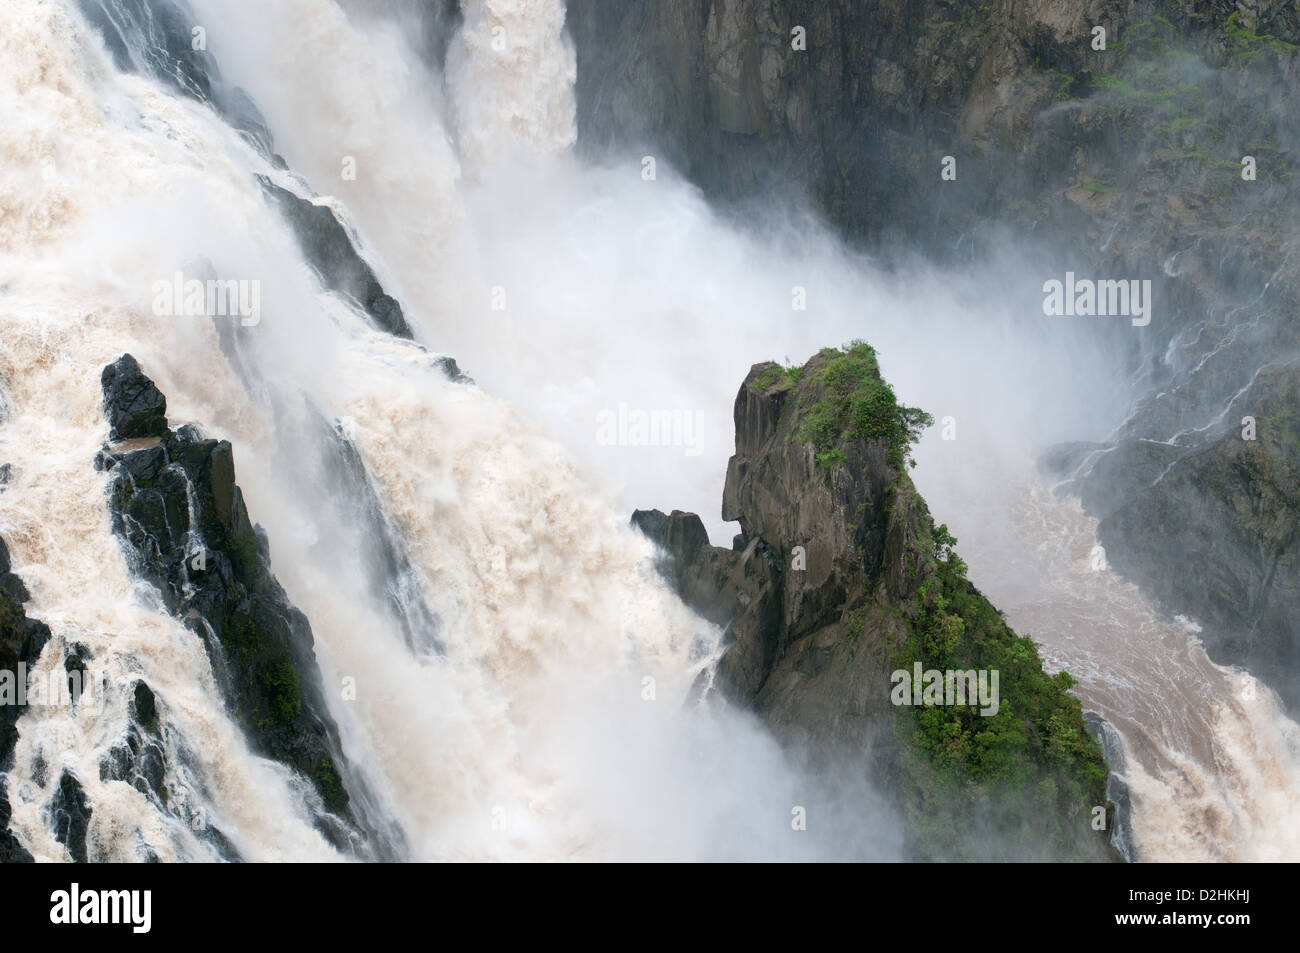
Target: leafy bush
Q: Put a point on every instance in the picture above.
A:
(858, 405)
(970, 771)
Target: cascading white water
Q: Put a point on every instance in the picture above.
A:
(68, 120)
(565, 290)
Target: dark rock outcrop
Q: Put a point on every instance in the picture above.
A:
(1118, 162)
(157, 38)
(453, 371)
(177, 508)
(329, 249)
(133, 405)
(70, 816)
(21, 642)
(140, 759)
(1121, 834)
(843, 580)
(860, 117)
(739, 591)
(154, 38)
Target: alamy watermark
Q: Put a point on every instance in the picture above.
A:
(215, 297)
(132, 908)
(56, 688)
(631, 427)
(952, 687)
(1101, 298)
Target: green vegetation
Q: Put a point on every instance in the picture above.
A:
(11, 611)
(1158, 92)
(330, 788)
(280, 683)
(1148, 37)
(247, 648)
(1064, 86)
(856, 404)
(240, 638)
(245, 555)
(1188, 108)
(775, 374)
(1028, 772)
(150, 724)
(1114, 84)
(1244, 41)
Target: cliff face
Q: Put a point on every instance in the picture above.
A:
(838, 580)
(1218, 534)
(1169, 155)
(858, 108)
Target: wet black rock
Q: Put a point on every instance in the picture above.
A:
(1117, 791)
(69, 816)
(740, 591)
(453, 371)
(1118, 474)
(328, 248)
(653, 524)
(139, 761)
(181, 514)
(384, 559)
(157, 38)
(1072, 157)
(11, 852)
(133, 405)
(140, 758)
(1063, 460)
(75, 658)
(243, 115)
(145, 707)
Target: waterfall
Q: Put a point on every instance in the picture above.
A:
(510, 676)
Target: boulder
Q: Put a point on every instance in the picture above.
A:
(133, 405)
